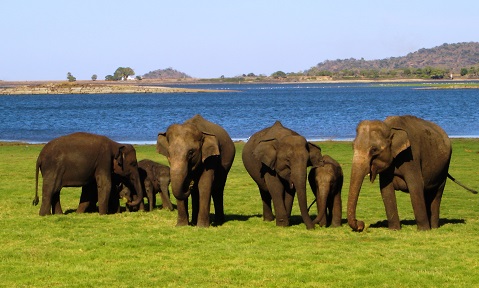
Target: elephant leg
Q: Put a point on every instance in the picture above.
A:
(418, 201)
(56, 206)
(288, 202)
(165, 197)
(150, 195)
(276, 189)
(389, 200)
(50, 188)
(182, 207)
(88, 198)
(195, 205)
(104, 189)
(435, 206)
(205, 186)
(218, 198)
(267, 209)
(337, 211)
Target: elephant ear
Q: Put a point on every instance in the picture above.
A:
(266, 152)
(399, 141)
(315, 156)
(118, 160)
(162, 144)
(210, 146)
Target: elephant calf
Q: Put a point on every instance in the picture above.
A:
(155, 178)
(326, 183)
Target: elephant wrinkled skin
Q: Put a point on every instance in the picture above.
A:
(277, 159)
(84, 160)
(200, 154)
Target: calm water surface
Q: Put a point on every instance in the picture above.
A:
(317, 111)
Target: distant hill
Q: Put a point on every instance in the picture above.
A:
(168, 73)
(447, 56)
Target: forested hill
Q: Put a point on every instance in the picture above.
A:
(449, 56)
(168, 73)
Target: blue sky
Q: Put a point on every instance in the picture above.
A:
(43, 40)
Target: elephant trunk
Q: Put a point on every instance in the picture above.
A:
(359, 170)
(180, 186)
(136, 181)
(322, 199)
(300, 185)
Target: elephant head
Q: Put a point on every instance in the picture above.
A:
(289, 157)
(375, 147)
(126, 166)
(187, 148)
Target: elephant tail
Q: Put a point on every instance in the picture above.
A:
(35, 199)
(460, 184)
(312, 203)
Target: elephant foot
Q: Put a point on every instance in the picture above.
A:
(182, 222)
(282, 222)
(268, 218)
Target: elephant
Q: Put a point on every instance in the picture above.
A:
(155, 177)
(89, 196)
(409, 154)
(84, 160)
(200, 154)
(326, 183)
(277, 159)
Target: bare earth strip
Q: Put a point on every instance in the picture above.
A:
(68, 88)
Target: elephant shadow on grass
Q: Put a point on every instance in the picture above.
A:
(239, 217)
(411, 222)
(298, 220)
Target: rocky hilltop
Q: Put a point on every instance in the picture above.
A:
(450, 56)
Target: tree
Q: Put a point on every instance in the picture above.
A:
(122, 73)
(109, 78)
(278, 74)
(94, 77)
(70, 77)
(464, 71)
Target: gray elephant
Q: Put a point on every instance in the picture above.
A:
(155, 178)
(277, 159)
(84, 160)
(200, 154)
(409, 154)
(326, 182)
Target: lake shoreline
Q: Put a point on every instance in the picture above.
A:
(167, 86)
(49, 88)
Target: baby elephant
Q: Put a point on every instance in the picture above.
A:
(155, 177)
(326, 182)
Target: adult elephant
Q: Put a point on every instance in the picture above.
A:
(83, 160)
(409, 154)
(277, 159)
(200, 154)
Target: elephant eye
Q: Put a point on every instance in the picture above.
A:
(191, 152)
(374, 150)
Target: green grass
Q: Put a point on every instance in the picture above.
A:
(146, 249)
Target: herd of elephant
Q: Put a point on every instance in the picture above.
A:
(408, 153)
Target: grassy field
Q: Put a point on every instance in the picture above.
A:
(146, 249)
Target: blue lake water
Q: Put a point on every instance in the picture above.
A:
(317, 111)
